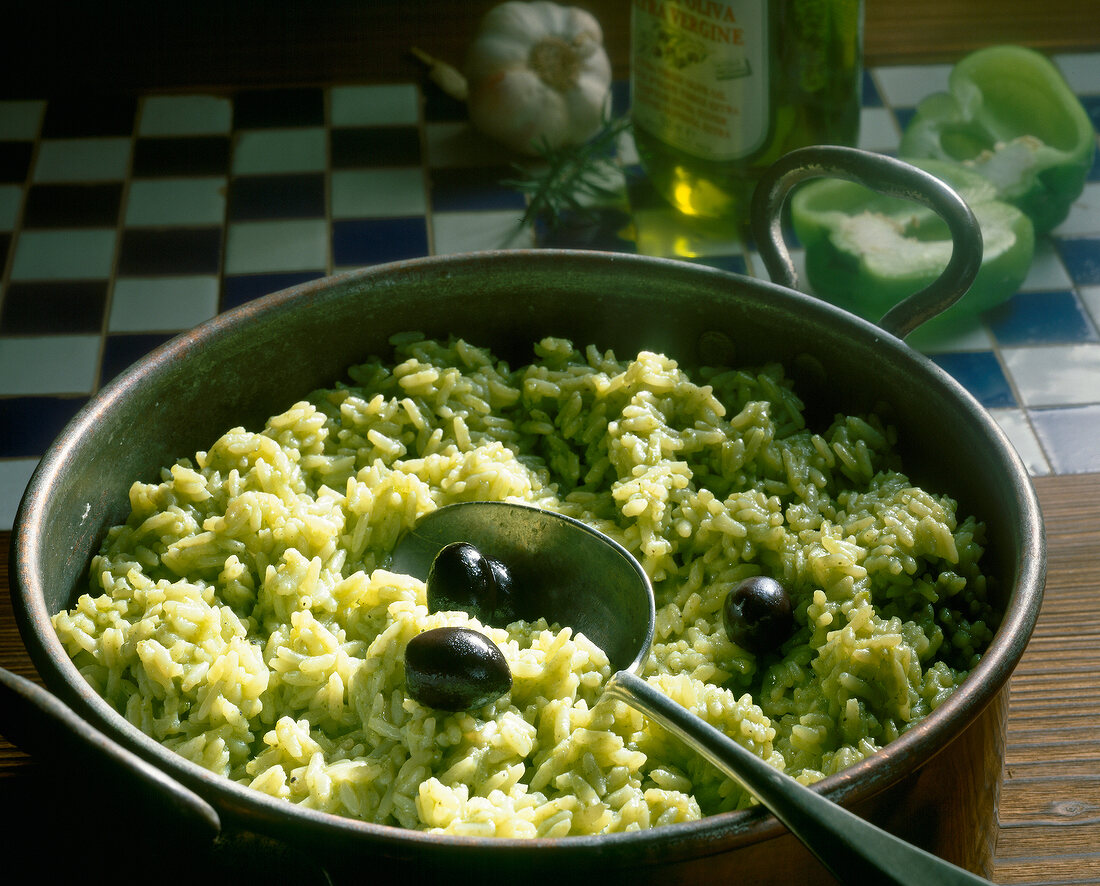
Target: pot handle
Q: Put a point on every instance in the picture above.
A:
(42, 724)
(888, 176)
(162, 813)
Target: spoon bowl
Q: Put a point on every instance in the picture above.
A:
(574, 575)
(584, 579)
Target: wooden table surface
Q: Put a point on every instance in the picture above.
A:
(1049, 818)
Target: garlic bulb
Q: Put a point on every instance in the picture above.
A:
(538, 73)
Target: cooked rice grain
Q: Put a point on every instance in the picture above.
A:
(244, 616)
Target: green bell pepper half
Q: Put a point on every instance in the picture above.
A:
(866, 252)
(1010, 115)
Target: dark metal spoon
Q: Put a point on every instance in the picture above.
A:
(585, 580)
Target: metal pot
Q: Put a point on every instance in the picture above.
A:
(936, 785)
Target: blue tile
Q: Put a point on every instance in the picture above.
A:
(28, 425)
(89, 115)
(1094, 170)
(1040, 318)
(197, 155)
(15, 160)
(640, 190)
(267, 108)
(361, 242)
(1070, 437)
(374, 146)
(735, 264)
(600, 229)
(242, 288)
(1091, 104)
(871, 97)
(442, 108)
(904, 117)
(981, 374)
(620, 97)
(54, 307)
(1081, 256)
(473, 189)
(255, 197)
(122, 351)
(72, 205)
(170, 251)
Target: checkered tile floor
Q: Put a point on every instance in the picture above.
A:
(125, 221)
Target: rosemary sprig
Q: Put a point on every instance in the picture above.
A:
(569, 176)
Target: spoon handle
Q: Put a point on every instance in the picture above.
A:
(852, 849)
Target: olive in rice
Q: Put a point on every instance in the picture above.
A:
(245, 615)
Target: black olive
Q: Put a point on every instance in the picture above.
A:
(461, 579)
(505, 611)
(455, 669)
(758, 615)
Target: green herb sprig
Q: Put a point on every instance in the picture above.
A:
(568, 177)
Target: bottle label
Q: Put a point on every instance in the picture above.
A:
(699, 79)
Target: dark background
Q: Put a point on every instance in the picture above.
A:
(49, 47)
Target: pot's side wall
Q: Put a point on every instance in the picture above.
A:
(948, 807)
(256, 362)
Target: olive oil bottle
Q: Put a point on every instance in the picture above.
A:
(722, 88)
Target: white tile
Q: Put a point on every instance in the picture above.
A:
(64, 254)
(20, 120)
(385, 105)
(1081, 70)
(1047, 272)
(1058, 375)
(82, 159)
(456, 232)
(15, 474)
(64, 364)
(258, 247)
(1070, 436)
(176, 201)
(627, 150)
(903, 86)
(878, 130)
(368, 193)
(162, 304)
(1090, 295)
(185, 115)
(1084, 214)
(1016, 426)
(11, 199)
(269, 151)
(798, 259)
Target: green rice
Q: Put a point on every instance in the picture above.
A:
(244, 615)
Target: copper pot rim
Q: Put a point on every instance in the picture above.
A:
(710, 834)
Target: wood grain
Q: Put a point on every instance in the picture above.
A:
(52, 47)
(1049, 817)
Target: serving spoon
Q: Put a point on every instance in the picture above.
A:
(581, 578)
